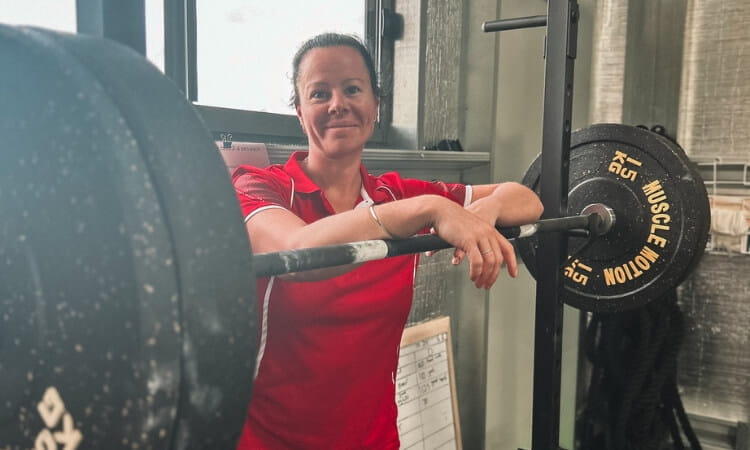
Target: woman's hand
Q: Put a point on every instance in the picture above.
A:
(474, 237)
(505, 204)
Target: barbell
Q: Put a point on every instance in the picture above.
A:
(127, 316)
(594, 220)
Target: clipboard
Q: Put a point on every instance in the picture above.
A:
(426, 388)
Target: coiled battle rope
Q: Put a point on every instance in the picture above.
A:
(633, 402)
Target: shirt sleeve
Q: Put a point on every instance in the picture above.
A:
(459, 193)
(258, 190)
(410, 187)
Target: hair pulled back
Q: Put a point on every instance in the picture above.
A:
(332, 40)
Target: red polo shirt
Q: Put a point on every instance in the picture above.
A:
(328, 350)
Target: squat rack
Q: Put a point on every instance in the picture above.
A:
(561, 39)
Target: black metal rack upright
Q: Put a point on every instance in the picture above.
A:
(560, 53)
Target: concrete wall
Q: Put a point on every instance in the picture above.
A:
(714, 121)
(427, 84)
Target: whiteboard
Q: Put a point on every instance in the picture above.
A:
(426, 389)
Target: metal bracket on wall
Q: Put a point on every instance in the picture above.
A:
(721, 173)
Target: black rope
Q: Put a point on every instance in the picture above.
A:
(632, 401)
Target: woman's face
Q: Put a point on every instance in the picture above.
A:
(337, 107)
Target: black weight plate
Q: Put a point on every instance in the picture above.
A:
(192, 285)
(217, 288)
(659, 219)
(89, 338)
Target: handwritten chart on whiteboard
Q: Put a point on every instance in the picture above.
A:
(425, 389)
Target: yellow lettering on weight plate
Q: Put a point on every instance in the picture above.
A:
(573, 271)
(632, 269)
(657, 198)
(618, 165)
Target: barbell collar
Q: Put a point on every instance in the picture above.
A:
(602, 216)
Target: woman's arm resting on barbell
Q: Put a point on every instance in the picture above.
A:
(278, 229)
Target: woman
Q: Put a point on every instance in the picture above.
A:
(329, 339)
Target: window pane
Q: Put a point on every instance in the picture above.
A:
(54, 14)
(245, 48)
(155, 32)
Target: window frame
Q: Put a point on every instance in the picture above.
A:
(180, 36)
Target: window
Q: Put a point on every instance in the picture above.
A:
(245, 48)
(155, 32)
(57, 15)
(241, 80)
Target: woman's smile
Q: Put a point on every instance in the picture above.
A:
(337, 107)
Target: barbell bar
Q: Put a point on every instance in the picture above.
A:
(595, 219)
